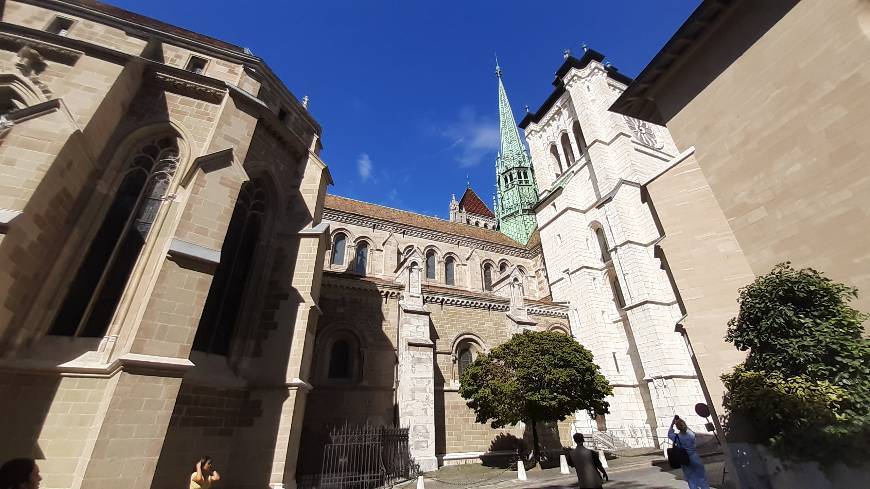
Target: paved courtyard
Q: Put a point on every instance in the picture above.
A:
(637, 473)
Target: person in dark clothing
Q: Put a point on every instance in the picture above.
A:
(587, 465)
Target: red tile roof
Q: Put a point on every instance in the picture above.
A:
(357, 207)
(472, 204)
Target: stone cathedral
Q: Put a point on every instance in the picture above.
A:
(176, 279)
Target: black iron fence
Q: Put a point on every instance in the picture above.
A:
(363, 457)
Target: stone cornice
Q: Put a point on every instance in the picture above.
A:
(408, 230)
(386, 291)
(549, 311)
(49, 45)
(600, 202)
(134, 363)
(493, 304)
(189, 88)
(48, 51)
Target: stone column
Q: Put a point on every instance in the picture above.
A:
(306, 281)
(416, 394)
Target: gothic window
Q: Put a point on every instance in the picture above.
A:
(430, 265)
(362, 258)
(339, 246)
(487, 277)
(97, 286)
(449, 271)
(602, 245)
(567, 150)
(580, 140)
(232, 278)
(463, 359)
(557, 162)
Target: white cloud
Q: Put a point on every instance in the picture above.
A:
(472, 138)
(364, 166)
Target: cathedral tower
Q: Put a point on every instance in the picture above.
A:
(517, 190)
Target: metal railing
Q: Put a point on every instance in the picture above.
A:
(618, 438)
(363, 457)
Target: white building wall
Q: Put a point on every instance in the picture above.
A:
(636, 346)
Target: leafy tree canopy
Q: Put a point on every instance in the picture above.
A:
(536, 376)
(805, 385)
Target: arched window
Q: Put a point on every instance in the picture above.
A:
(220, 315)
(339, 246)
(341, 361)
(97, 286)
(602, 245)
(463, 359)
(430, 265)
(566, 148)
(487, 277)
(580, 140)
(502, 267)
(362, 258)
(449, 271)
(557, 161)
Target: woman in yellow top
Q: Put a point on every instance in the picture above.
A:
(205, 474)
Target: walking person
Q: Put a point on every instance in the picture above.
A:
(586, 463)
(694, 471)
(205, 474)
(20, 473)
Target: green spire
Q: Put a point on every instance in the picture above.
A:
(517, 190)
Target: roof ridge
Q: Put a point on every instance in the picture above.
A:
(387, 207)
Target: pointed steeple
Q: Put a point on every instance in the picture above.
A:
(510, 149)
(515, 177)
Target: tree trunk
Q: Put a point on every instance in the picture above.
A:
(536, 453)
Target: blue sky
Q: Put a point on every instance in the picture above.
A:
(405, 90)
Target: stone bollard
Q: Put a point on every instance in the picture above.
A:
(602, 458)
(521, 470)
(420, 482)
(563, 464)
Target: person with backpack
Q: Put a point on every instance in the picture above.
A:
(689, 460)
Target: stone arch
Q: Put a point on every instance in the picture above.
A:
(146, 166)
(361, 264)
(504, 265)
(465, 348)
(488, 274)
(601, 238)
(229, 318)
(357, 346)
(559, 328)
(450, 261)
(334, 253)
(17, 92)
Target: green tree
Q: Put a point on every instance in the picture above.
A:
(804, 388)
(536, 376)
